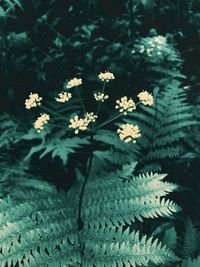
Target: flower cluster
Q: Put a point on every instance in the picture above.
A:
(63, 97)
(153, 45)
(129, 133)
(125, 105)
(34, 100)
(90, 117)
(39, 123)
(74, 82)
(100, 96)
(146, 98)
(106, 76)
(81, 124)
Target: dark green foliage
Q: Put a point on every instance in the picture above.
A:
(190, 262)
(163, 127)
(45, 43)
(39, 227)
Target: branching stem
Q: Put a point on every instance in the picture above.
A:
(100, 104)
(53, 112)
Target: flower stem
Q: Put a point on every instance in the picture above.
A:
(53, 112)
(112, 118)
(109, 120)
(81, 101)
(100, 104)
(80, 204)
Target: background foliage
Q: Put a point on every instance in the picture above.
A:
(43, 43)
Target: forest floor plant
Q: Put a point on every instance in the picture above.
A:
(91, 224)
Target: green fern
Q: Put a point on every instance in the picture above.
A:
(163, 128)
(190, 263)
(10, 130)
(190, 242)
(185, 244)
(170, 238)
(39, 226)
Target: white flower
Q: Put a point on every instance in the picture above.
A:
(146, 98)
(129, 133)
(125, 105)
(106, 76)
(74, 82)
(90, 117)
(78, 124)
(63, 97)
(81, 124)
(39, 123)
(34, 100)
(100, 96)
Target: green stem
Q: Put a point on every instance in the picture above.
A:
(100, 104)
(52, 112)
(112, 118)
(82, 104)
(79, 218)
(109, 120)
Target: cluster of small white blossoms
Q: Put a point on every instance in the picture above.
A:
(125, 105)
(63, 97)
(100, 96)
(90, 117)
(74, 82)
(39, 123)
(34, 100)
(154, 45)
(129, 133)
(146, 98)
(106, 76)
(81, 124)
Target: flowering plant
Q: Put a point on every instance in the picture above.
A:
(88, 120)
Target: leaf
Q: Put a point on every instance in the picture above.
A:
(170, 238)
(61, 148)
(147, 3)
(2, 12)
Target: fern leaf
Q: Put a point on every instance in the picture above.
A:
(190, 240)
(190, 263)
(39, 227)
(118, 247)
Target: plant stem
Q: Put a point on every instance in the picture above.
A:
(87, 175)
(53, 112)
(102, 91)
(109, 120)
(82, 104)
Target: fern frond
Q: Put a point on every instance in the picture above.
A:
(39, 227)
(170, 238)
(42, 226)
(113, 201)
(190, 263)
(117, 247)
(163, 126)
(190, 240)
